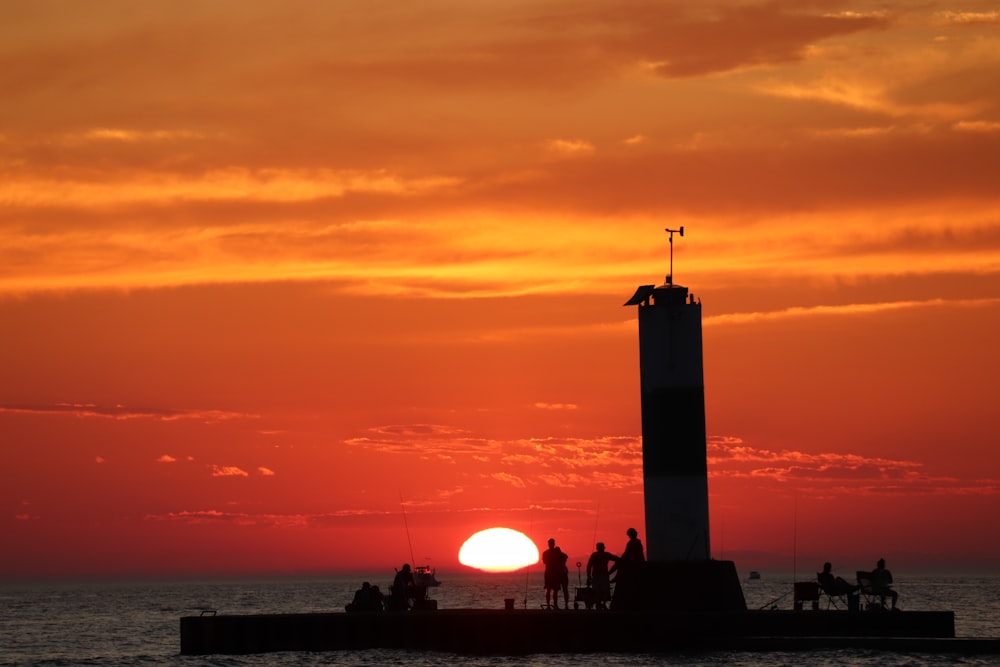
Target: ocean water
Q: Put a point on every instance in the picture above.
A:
(133, 622)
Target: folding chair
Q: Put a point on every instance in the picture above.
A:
(874, 598)
(834, 597)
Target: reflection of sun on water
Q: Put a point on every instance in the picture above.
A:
(498, 550)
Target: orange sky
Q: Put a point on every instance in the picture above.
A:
(272, 271)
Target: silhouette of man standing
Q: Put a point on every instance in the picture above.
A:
(403, 588)
(598, 576)
(555, 568)
(628, 582)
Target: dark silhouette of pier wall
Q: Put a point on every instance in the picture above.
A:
(521, 631)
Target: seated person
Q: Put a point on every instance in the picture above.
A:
(378, 600)
(363, 599)
(882, 583)
(832, 585)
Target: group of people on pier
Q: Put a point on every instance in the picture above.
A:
(877, 583)
(628, 572)
(403, 594)
(627, 569)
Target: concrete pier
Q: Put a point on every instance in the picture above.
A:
(517, 631)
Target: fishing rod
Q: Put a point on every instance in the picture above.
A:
(597, 516)
(795, 537)
(407, 526)
(527, 568)
(767, 604)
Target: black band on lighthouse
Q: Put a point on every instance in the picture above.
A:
(673, 432)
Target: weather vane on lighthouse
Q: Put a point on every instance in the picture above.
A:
(670, 276)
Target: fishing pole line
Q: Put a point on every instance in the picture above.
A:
(527, 568)
(768, 604)
(406, 525)
(597, 517)
(795, 539)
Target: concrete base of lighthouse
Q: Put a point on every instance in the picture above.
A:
(688, 586)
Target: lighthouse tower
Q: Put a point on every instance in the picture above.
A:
(674, 461)
(674, 457)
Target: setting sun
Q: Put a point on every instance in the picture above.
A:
(498, 550)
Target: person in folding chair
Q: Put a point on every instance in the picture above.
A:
(834, 587)
(882, 583)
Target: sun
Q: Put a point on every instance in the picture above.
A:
(498, 550)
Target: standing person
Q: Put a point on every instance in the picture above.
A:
(633, 548)
(882, 583)
(628, 582)
(555, 563)
(598, 576)
(403, 587)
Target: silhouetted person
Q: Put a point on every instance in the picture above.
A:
(834, 585)
(882, 583)
(362, 599)
(378, 600)
(403, 588)
(555, 567)
(629, 568)
(598, 575)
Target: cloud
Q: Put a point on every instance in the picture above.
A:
(130, 136)
(977, 126)
(266, 472)
(570, 146)
(843, 310)
(228, 471)
(449, 494)
(232, 184)
(591, 210)
(856, 132)
(577, 453)
(427, 441)
(599, 479)
(616, 463)
(677, 40)
(507, 478)
(831, 474)
(969, 17)
(553, 46)
(742, 36)
(418, 431)
(123, 413)
(247, 519)
(556, 406)
(166, 458)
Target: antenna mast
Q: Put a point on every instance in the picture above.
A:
(670, 276)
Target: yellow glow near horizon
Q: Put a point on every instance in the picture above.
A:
(498, 550)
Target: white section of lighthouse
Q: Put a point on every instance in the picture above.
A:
(674, 457)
